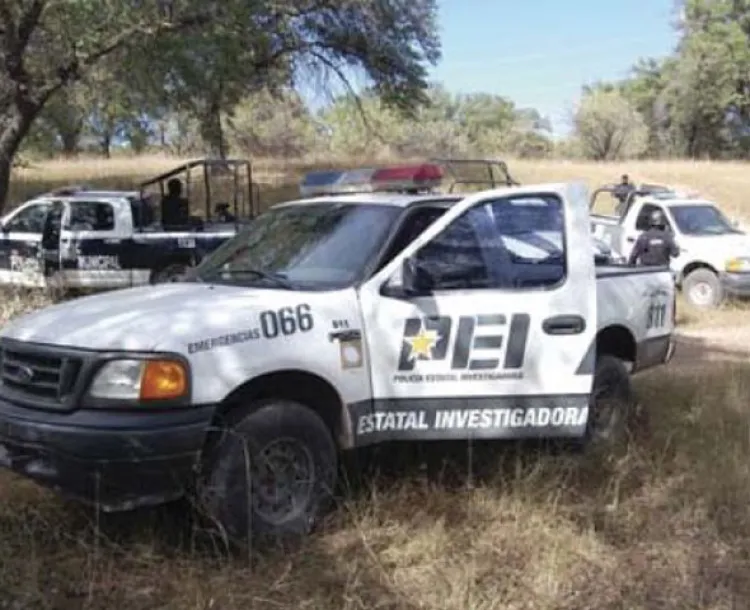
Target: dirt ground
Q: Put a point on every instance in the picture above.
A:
(698, 345)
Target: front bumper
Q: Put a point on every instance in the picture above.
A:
(116, 461)
(736, 284)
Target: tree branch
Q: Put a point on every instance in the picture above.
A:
(342, 77)
(73, 70)
(28, 22)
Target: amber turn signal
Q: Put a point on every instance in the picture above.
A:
(163, 380)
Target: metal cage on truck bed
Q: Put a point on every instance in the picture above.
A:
(224, 181)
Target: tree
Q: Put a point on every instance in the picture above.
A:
(609, 127)
(269, 125)
(646, 90)
(228, 44)
(710, 88)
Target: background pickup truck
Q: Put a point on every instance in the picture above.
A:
(714, 260)
(77, 237)
(332, 323)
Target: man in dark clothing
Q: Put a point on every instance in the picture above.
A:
(622, 191)
(174, 207)
(655, 246)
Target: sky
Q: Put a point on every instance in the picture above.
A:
(540, 53)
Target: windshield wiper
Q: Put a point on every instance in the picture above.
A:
(276, 278)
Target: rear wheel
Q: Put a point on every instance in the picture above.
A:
(171, 273)
(612, 404)
(272, 474)
(702, 289)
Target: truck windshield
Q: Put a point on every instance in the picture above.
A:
(701, 220)
(318, 246)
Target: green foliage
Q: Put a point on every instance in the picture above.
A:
(609, 127)
(447, 125)
(200, 57)
(696, 103)
(273, 125)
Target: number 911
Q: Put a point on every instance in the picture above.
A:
(656, 316)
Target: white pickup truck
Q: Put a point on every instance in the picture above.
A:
(331, 323)
(714, 259)
(79, 237)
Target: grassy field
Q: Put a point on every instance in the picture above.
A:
(662, 522)
(723, 182)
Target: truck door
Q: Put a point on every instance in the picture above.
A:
(20, 240)
(50, 248)
(92, 240)
(500, 344)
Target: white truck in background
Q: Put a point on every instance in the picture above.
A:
(714, 259)
(331, 323)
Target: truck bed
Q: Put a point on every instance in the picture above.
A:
(604, 271)
(624, 294)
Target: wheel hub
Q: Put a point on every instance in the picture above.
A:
(282, 480)
(701, 293)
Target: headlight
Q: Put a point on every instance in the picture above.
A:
(737, 265)
(140, 380)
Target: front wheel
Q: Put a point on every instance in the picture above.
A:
(702, 289)
(272, 474)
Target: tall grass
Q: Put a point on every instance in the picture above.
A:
(661, 523)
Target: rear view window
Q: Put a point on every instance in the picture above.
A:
(92, 216)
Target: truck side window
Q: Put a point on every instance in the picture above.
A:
(91, 216)
(29, 220)
(413, 226)
(642, 222)
(509, 243)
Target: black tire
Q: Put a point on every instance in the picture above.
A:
(702, 289)
(170, 273)
(226, 495)
(612, 405)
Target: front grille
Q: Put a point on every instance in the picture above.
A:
(38, 373)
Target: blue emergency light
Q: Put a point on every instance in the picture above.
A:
(398, 178)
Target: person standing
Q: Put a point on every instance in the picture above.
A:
(655, 246)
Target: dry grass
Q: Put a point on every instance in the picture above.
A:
(662, 522)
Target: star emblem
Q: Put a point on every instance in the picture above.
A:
(422, 343)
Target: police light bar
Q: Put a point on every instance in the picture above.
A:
(329, 182)
(420, 177)
(71, 189)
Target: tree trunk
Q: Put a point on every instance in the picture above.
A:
(105, 143)
(70, 141)
(6, 166)
(15, 125)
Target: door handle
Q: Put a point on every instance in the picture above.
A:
(564, 325)
(630, 239)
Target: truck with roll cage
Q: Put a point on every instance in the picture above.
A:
(373, 309)
(81, 237)
(714, 258)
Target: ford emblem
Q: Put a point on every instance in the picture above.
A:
(25, 374)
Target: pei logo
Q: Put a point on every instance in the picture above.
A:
(475, 344)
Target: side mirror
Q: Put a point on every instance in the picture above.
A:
(410, 280)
